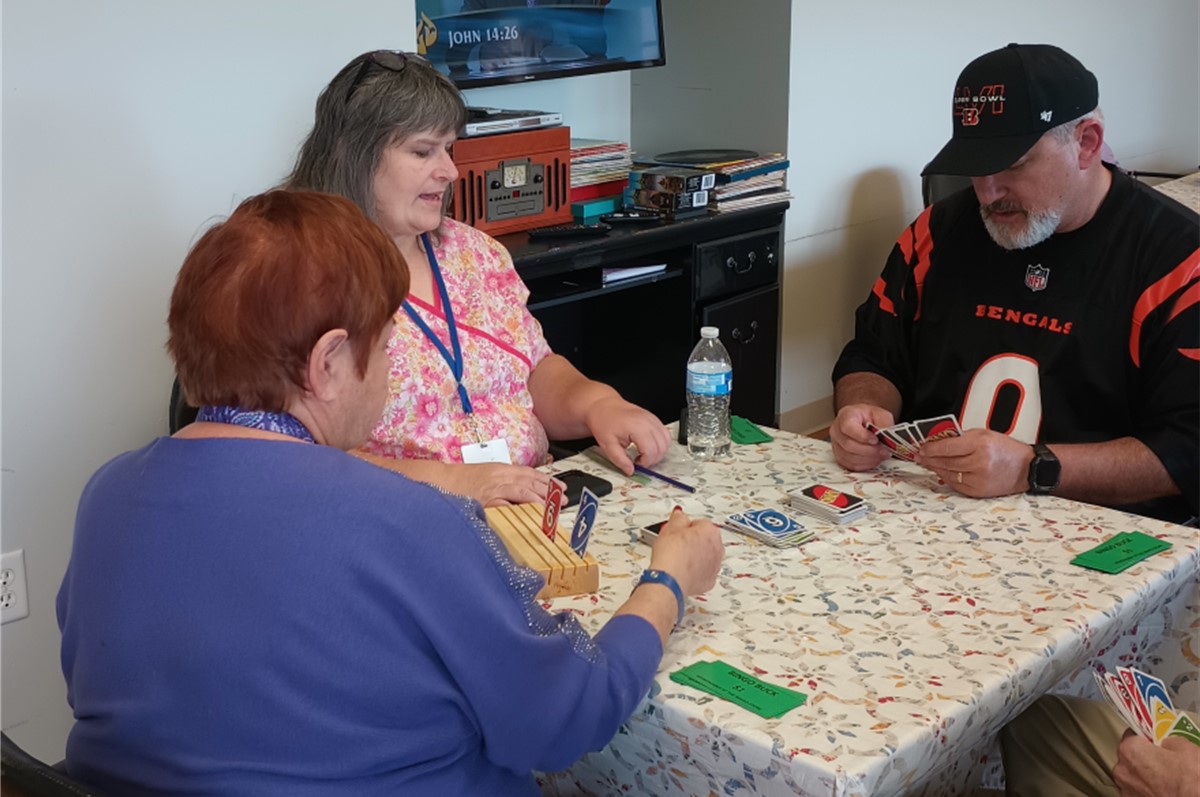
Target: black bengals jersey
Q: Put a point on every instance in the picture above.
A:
(1089, 336)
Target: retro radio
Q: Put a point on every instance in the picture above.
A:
(513, 181)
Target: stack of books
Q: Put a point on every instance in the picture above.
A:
(599, 171)
(750, 183)
(676, 192)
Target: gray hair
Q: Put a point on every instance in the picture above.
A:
(355, 124)
(1062, 133)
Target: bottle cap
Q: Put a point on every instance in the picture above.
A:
(710, 332)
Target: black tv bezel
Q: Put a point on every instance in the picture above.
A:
(466, 84)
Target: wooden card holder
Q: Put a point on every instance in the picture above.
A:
(566, 573)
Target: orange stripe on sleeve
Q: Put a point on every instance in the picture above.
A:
(1190, 296)
(1158, 293)
(885, 304)
(1193, 354)
(923, 245)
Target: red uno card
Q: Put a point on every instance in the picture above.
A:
(939, 427)
(834, 499)
(554, 500)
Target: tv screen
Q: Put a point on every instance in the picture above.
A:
(492, 42)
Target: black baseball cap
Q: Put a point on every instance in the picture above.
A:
(1005, 100)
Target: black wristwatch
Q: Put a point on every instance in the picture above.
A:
(1044, 472)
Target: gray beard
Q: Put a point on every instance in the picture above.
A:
(1039, 225)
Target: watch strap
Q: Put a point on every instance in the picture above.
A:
(651, 576)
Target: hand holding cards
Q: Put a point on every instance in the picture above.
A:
(903, 439)
(1143, 703)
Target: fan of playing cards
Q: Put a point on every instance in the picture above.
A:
(1143, 703)
(903, 439)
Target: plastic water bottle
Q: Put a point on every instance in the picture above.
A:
(709, 388)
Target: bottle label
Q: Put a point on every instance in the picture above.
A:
(718, 384)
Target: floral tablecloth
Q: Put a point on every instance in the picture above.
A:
(917, 632)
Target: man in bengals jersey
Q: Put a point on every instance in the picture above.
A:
(1054, 306)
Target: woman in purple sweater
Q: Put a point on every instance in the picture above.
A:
(250, 610)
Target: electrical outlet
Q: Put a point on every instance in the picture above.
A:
(14, 597)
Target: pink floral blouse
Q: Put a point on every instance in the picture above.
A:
(501, 344)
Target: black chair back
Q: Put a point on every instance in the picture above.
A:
(25, 776)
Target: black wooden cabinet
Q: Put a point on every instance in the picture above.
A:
(721, 270)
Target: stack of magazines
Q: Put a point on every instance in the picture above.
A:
(750, 183)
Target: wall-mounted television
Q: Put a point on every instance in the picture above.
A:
(493, 42)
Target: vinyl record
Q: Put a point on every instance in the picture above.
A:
(699, 156)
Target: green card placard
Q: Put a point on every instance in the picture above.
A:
(729, 683)
(744, 432)
(1120, 552)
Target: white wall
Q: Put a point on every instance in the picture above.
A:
(869, 105)
(129, 123)
(127, 126)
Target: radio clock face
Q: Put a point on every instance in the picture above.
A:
(514, 176)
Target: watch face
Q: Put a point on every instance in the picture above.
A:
(514, 176)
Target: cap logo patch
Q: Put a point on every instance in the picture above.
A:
(1045, 116)
(1036, 277)
(969, 106)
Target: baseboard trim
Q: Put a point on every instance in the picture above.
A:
(808, 418)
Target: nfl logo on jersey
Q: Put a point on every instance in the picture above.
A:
(1036, 277)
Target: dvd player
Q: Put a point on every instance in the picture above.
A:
(486, 121)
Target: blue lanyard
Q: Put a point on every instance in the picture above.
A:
(279, 422)
(455, 361)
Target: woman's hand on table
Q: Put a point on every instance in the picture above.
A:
(489, 483)
(616, 424)
(855, 447)
(690, 550)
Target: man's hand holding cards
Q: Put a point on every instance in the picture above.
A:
(1142, 701)
(903, 439)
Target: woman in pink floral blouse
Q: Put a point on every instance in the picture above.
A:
(475, 390)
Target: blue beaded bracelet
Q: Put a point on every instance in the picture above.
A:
(667, 580)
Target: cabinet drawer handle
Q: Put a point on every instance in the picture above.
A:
(737, 334)
(732, 263)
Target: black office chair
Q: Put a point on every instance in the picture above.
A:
(25, 776)
(179, 412)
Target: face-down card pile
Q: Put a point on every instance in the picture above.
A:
(824, 502)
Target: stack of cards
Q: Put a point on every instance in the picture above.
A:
(1143, 703)
(826, 503)
(905, 438)
(772, 526)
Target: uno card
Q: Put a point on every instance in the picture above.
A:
(834, 499)
(1186, 728)
(1125, 703)
(768, 521)
(1141, 711)
(1148, 688)
(1164, 718)
(585, 518)
(554, 499)
(937, 428)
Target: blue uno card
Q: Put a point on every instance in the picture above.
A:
(585, 518)
(769, 521)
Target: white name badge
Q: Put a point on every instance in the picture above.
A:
(488, 451)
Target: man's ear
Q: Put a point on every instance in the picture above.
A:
(1090, 133)
(328, 364)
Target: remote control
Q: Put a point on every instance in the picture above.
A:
(569, 230)
(631, 217)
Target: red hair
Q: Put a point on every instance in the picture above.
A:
(258, 290)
